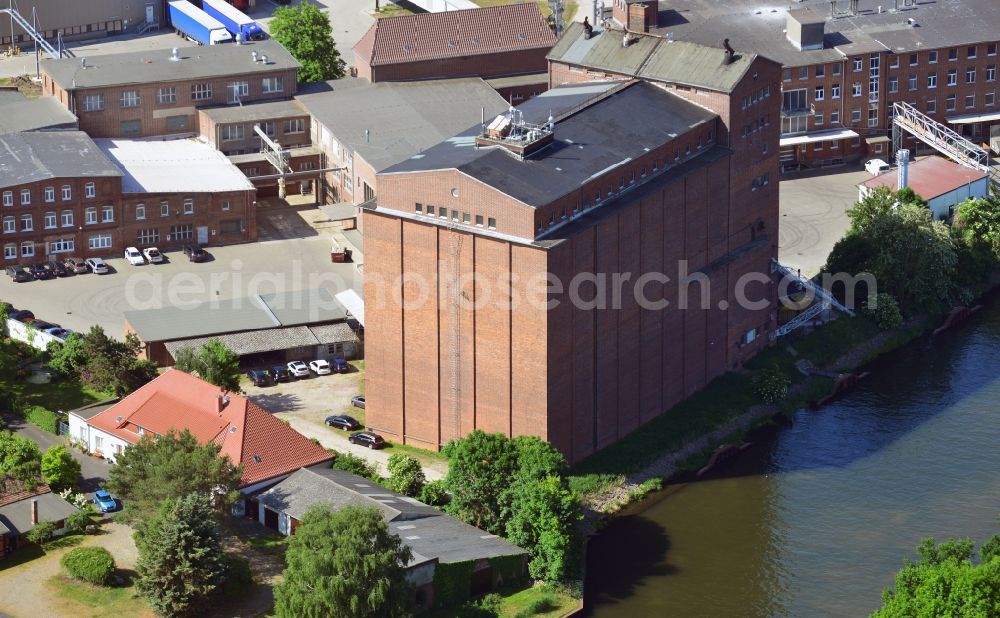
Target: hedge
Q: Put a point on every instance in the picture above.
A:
(44, 418)
(91, 564)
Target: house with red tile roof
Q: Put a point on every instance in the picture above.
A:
(505, 45)
(249, 435)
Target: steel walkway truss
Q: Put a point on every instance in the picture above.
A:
(34, 34)
(823, 300)
(941, 138)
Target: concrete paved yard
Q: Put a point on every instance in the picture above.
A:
(814, 215)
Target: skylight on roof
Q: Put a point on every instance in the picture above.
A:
(256, 458)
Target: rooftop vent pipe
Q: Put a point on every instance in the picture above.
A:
(175, 54)
(263, 58)
(730, 53)
(903, 173)
(253, 56)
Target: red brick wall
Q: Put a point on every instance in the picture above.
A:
(500, 64)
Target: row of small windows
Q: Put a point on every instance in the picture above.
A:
(237, 132)
(756, 97)
(49, 194)
(971, 53)
(52, 220)
(167, 95)
(442, 213)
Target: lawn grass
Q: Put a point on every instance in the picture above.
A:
(60, 394)
(83, 599)
(824, 345)
(546, 602)
(420, 454)
(274, 544)
(399, 7)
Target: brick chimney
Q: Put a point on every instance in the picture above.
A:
(221, 400)
(34, 511)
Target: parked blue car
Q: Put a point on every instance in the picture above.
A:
(105, 502)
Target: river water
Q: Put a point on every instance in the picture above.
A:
(815, 519)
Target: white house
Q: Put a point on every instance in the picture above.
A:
(942, 183)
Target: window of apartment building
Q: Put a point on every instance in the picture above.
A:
(442, 213)
(820, 70)
(201, 92)
(931, 106)
(454, 215)
(232, 132)
(225, 205)
(27, 224)
(273, 84)
(184, 231)
(63, 245)
(67, 193)
(970, 75)
(237, 91)
(819, 93)
(970, 101)
(466, 218)
(913, 60)
(932, 56)
(949, 103)
(140, 212)
(25, 197)
(855, 115)
(952, 77)
(856, 89)
(230, 226)
(27, 249)
(99, 241)
(131, 127)
(89, 190)
(970, 53)
(491, 223)
(430, 210)
(893, 84)
(834, 116)
(858, 64)
(50, 194)
(9, 225)
(990, 99)
(107, 214)
(189, 206)
(164, 208)
(90, 216)
(803, 72)
(479, 220)
(148, 236)
(130, 98)
(953, 53)
(177, 123)
(932, 80)
(418, 208)
(794, 124)
(991, 73)
(10, 251)
(991, 49)
(912, 82)
(8, 198)
(93, 103)
(835, 91)
(893, 61)
(167, 95)
(818, 120)
(267, 127)
(786, 75)
(67, 218)
(295, 125)
(49, 221)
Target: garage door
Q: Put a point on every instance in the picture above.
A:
(271, 519)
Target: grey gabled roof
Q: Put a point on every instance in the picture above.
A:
(218, 317)
(402, 118)
(91, 410)
(254, 112)
(34, 114)
(599, 125)
(150, 66)
(16, 517)
(32, 156)
(272, 339)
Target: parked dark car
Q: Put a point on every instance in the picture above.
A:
(39, 271)
(59, 269)
(195, 253)
(339, 365)
(279, 373)
(43, 325)
(259, 377)
(367, 438)
(76, 264)
(18, 274)
(358, 401)
(342, 421)
(22, 316)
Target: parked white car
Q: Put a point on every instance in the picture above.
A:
(298, 369)
(134, 257)
(320, 367)
(876, 166)
(153, 255)
(97, 266)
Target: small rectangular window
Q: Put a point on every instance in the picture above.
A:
(466, 218)
(479, 220)
(418, 208)
(430, 210)
(492, 223)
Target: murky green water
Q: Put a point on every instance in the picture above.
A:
(816, 520)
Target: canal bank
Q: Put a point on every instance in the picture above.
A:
(816, 518)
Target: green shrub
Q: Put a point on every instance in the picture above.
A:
(91, 564)
(355, 465)
(452, 583)
(239, 577)
(43, 418)
(434, 493)
(82, 520)
(885, 311)
(770, 384)
(405, 475)
(542, 605)
(490, 606)
(42, 532)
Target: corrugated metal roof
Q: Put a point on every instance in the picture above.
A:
(39, 155)
(428, 36)
(156, 165)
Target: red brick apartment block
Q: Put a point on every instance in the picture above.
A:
(661, 170)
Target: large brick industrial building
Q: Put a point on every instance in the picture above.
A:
(669, 173)
(847, 61)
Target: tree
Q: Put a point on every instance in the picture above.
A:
(349, 462)
(545, 523)
(946, 582)
(82, 520)
(977, 224)
(20, 458)
(344, 563)
(68, 358)
(213, 363)
(306, 33)
(481, 467)
(167, 468)
(113, 365)
(180, 560)
(405, 475)
(42, 532)
(59, 468)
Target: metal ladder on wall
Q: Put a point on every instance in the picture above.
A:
(824, 300)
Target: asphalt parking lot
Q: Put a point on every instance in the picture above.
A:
(813, 208)
(284, 264)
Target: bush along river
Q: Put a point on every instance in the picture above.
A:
(816, 518)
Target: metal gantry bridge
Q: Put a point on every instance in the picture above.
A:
(823, 300)
(40, 41)
(938, 136)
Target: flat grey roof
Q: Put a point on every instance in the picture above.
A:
(148, 66)
(430, 533)
(39, 155)
(254, 112)
(16, 516)
(512, 81)
(33, 114)
(402, 118)
(621, 122)
(92, 410)
(752, 26)
(219, 317)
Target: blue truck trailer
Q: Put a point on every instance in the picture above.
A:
(194, 23)
(236, 21)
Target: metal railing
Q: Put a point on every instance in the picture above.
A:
(34, 34)
(936, 135)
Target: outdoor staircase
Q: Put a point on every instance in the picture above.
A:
(153, 26)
